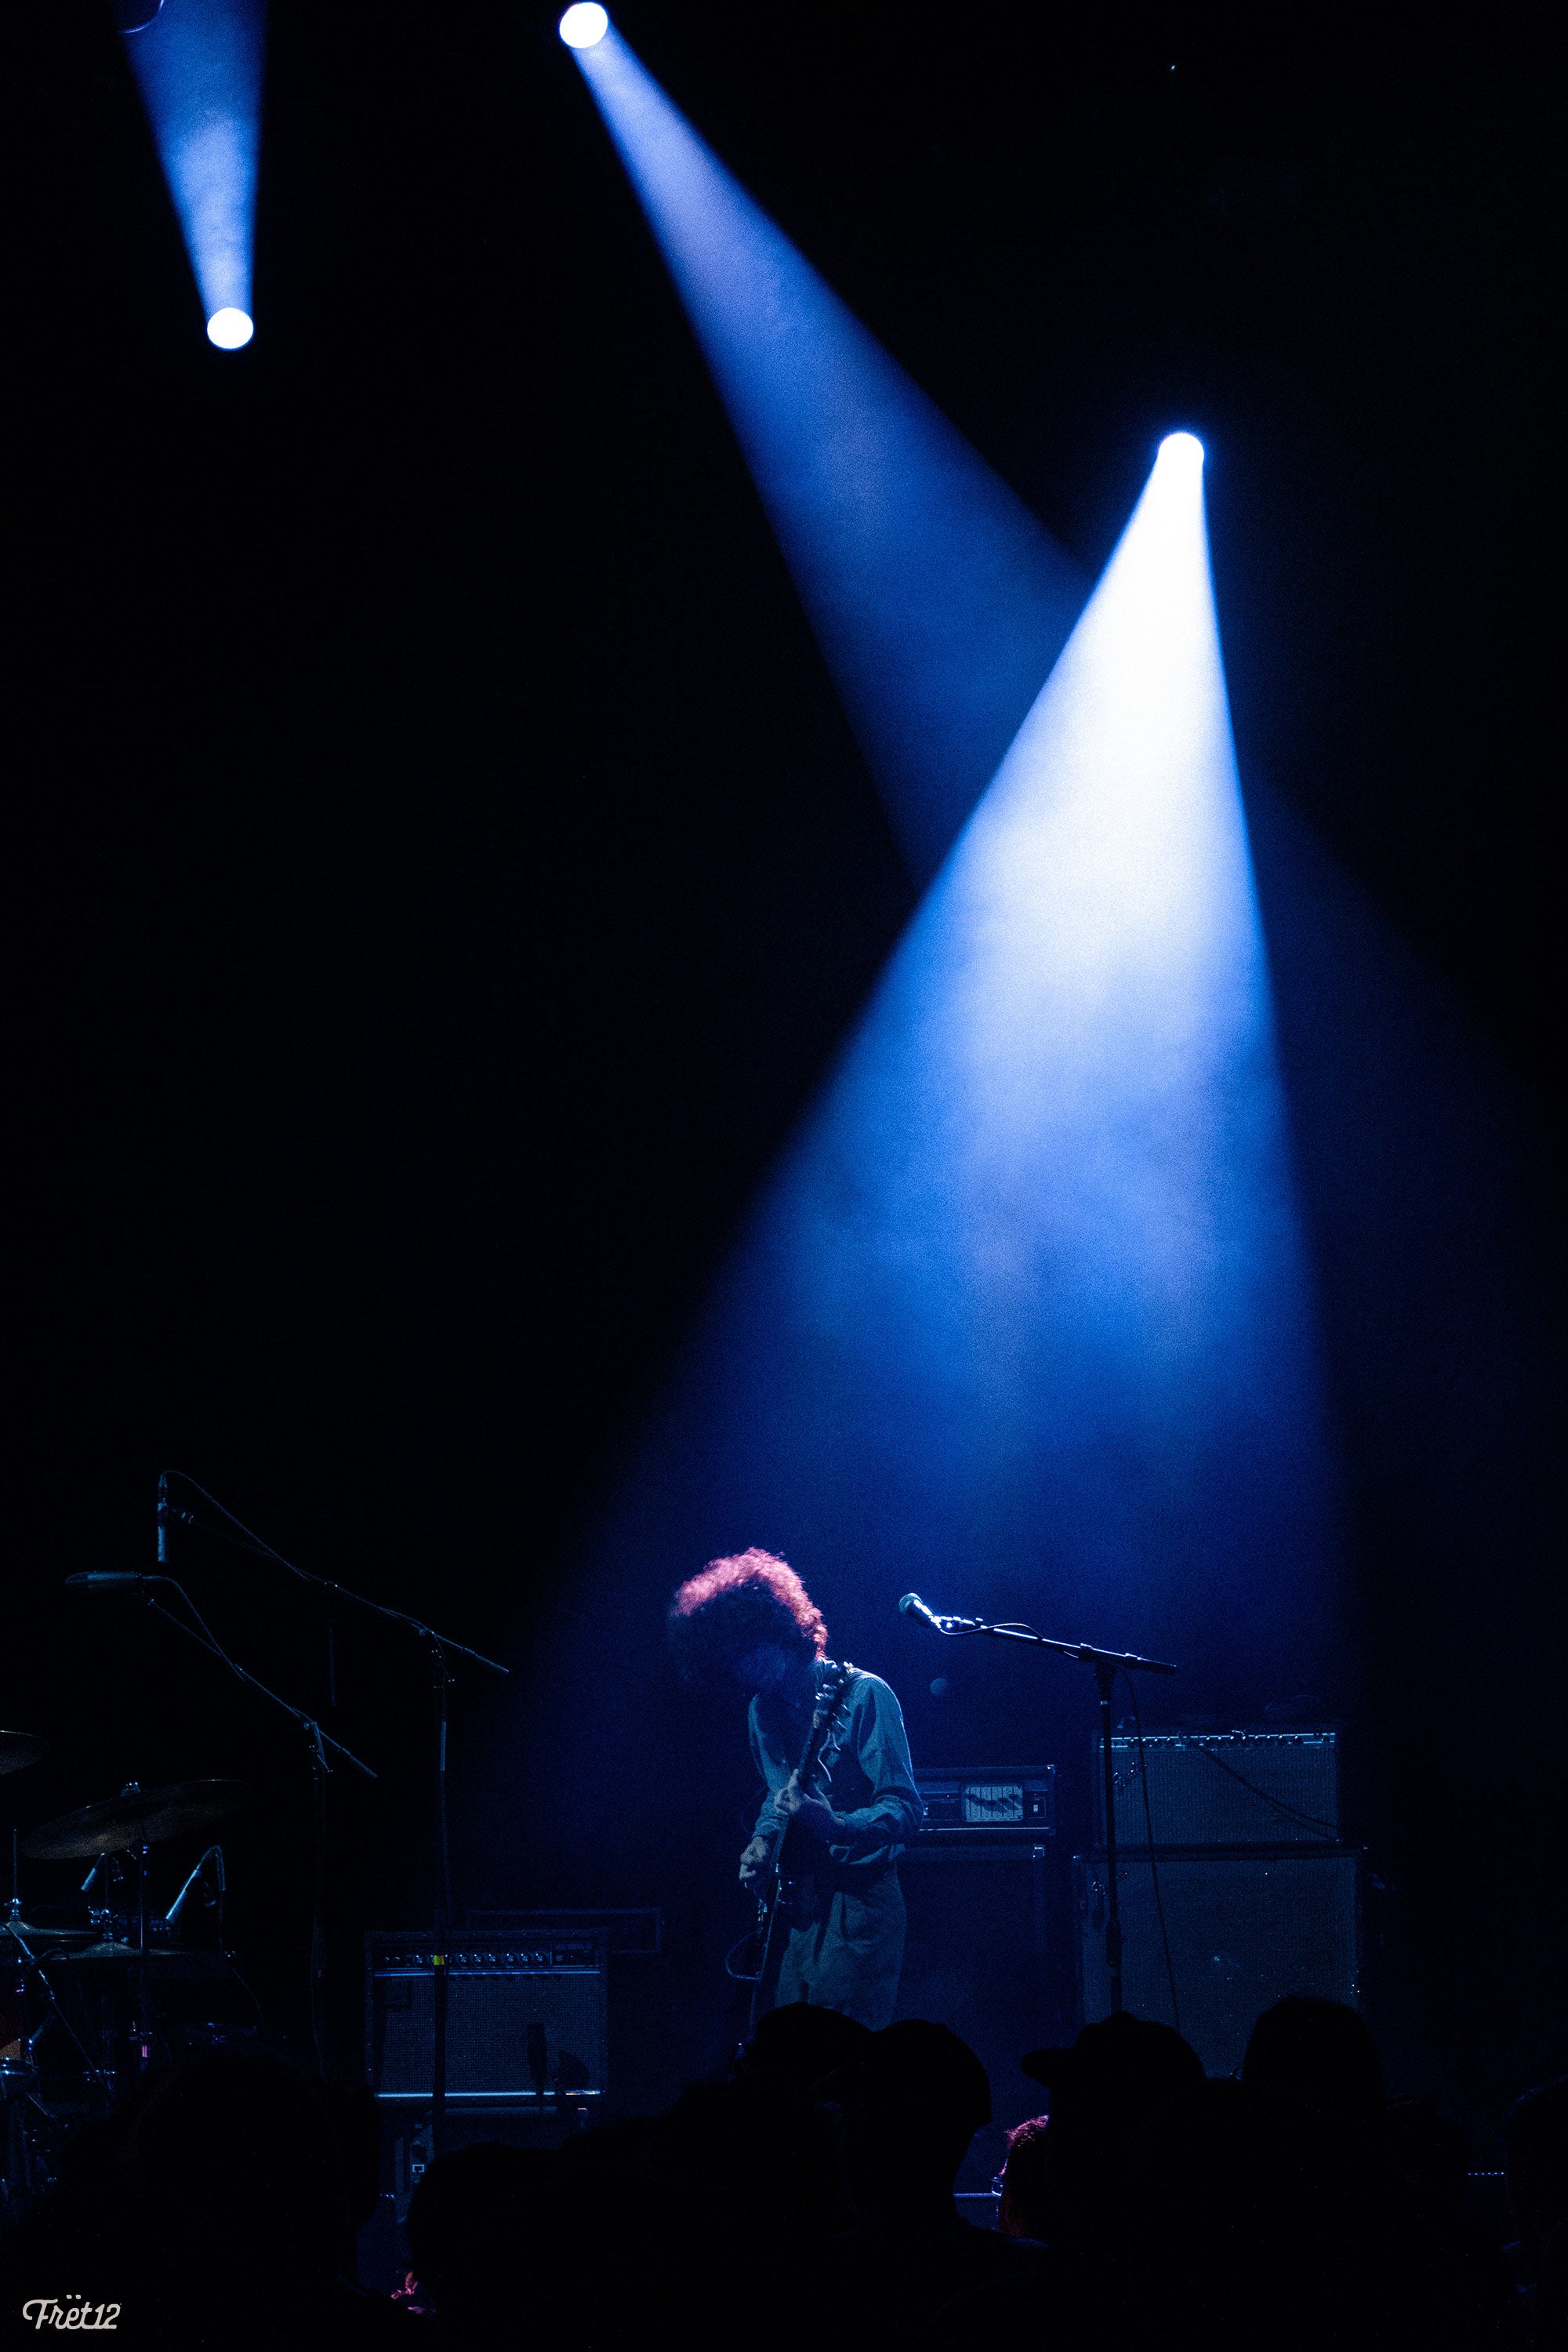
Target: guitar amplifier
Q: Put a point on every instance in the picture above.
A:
(984, 1804)
(1226, 1787)
(1245, 1929)
(503, 1993)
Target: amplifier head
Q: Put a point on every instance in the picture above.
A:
(1015, 1799)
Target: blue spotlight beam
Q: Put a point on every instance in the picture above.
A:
(1029, 1299)
(199, 67)
(939, 601)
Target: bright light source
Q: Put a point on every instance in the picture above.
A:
(584, 24)
(1186, 446)
(229, 330)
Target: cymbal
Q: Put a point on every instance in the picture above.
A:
(31, 1933)
(20, 1748)
(136, 1817)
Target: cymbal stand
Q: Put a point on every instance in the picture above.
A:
(37, 1963)
(142, 2040)
(29, 1963)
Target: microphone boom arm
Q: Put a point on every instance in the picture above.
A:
(1086, 1653)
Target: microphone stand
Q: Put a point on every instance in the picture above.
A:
(442, 1649)
(317, 1743)
(1107, 1665)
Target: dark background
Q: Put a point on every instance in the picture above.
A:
(441, 873)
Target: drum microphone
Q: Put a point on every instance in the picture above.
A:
(110, 1579)
(213, 1854)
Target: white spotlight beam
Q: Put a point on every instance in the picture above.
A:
(1033, 1282)
(939, 601)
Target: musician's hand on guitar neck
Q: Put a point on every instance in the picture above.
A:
(754, 1862)
(811, 1813)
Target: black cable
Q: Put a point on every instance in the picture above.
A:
(247, 1540)
(252, 1542)
(742, 1976)
(204, 1641)
(214, 1644)
(1153, 1865)
(248, 1990)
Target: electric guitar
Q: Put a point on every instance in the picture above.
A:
(778, 1902)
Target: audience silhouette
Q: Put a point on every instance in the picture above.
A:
(1293, 2206)
(1536, 2139)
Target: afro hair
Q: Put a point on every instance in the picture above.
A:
(737, 1604)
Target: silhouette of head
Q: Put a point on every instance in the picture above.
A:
(733, 2151)
(911, 2101)
(795, 2046)
(1318, 2053)
(1228, 2242)
(1536, 2140)
(238, 2153)
(355, 2119)
(1118, 2073)
(1025, 2209)
(1426, 2150)
(1119, 2069)
(482, 2218)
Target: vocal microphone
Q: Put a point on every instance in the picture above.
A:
(110, 1579)
(911, 1605)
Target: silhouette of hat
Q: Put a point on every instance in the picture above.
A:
(933, 2065)
(920, 2067)
(1124, 2059)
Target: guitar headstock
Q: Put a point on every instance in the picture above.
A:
(832, 1691)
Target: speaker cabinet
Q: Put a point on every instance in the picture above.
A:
(1245, 1929)
(985, 1955)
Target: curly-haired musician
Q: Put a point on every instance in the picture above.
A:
(750, 1621)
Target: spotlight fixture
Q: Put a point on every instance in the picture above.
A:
(231, 330)
(584, 24)
(1184, 447)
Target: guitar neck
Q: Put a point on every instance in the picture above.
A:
(822, 1716)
